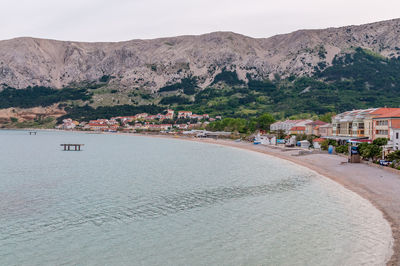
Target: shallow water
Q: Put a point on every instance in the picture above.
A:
(129, 200)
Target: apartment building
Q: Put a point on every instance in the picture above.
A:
(352, 123)
(366, 123)
(384, 124)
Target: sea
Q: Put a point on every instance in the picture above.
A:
(136, 200)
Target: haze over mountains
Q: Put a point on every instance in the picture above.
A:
(152, 64)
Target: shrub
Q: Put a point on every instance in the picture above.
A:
(325, 144)
(394, 156)
(342, 149)
(175, 99)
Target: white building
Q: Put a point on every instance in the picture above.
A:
(288, 124)
(395, 138)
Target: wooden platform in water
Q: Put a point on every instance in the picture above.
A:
(67, 147)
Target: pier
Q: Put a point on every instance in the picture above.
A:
(67, 147)
(32, 132)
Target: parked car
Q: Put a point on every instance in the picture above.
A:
(384, 162)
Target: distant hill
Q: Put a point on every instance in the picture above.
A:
(313, 71)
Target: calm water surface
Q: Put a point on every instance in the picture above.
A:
(129, 200)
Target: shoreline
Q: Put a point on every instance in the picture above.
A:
(381, 188)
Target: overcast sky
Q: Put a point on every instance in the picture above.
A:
(118, 20)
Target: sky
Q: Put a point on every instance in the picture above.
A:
(120, 20)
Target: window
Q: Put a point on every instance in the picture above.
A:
(382, 123)
(381, 132)
(397, 135)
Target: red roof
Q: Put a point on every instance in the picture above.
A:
(383, 111)
(318, 140)
(298, 129)
(393, 112)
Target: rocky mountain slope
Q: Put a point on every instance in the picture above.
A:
(152, 64)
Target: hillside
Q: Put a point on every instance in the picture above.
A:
(312, 71)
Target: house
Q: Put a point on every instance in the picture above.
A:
(99, 121)
(304, 144)
(317, 143)
(68, 124)
(169, 114)
(297, 130)
(97, 126)
(181, 126)
(196, 117)
(141, 116)
(113, 127)
(287, 125)
(154, 127)
(384, 124)
(165, 126)
(312, 128)
(395, 138)
(184, 114)
(277, 126)
(112, 122)
(325, 130)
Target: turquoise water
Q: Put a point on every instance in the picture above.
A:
(130, 200)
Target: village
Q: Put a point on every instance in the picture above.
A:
(346, 129)
(143, 122)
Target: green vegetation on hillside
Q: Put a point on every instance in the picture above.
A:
(175, 99)
(188, 85)
(85, 113)
(39, 96)
(39, 122)
(228, 77)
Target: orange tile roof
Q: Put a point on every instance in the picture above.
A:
(298, 129)
(395, 112)
(384, 111)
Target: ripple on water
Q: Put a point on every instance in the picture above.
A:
(156, 202)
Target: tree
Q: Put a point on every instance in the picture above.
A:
(327, 117)
(327, 142)
(380, 141)
(369, 151)
(264, 121)
(280, 134)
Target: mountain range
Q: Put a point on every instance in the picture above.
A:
(140, 72)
